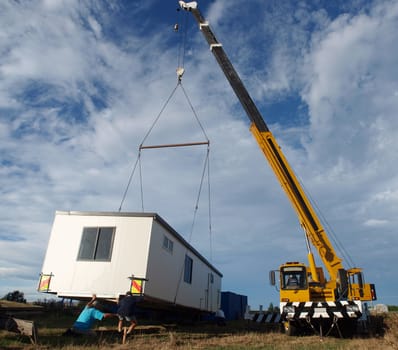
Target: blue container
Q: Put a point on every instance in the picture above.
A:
(233, 305)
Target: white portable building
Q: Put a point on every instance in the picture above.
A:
(109, 253)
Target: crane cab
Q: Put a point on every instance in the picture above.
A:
(293, 282)
(296, 284)
(293, 276)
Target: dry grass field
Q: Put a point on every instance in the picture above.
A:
(236, 335)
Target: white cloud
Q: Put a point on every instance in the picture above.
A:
(7, 271)
(55, 159)
(375, 223)
(95, 26)
(350, 84)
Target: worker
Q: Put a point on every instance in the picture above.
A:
(126, 311)
(86, 319)
(292, 281)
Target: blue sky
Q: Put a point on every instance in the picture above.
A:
(81, 82)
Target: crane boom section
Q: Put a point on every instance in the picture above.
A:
(307, 217)
(265, 139)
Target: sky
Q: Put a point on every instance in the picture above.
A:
(84, 83)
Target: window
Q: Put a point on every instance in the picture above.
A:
(168, 244)
(293, 277)
(96, 243)
(188, 269)
(211, 278)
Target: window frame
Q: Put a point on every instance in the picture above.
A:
(100, 239)
(300, 275)
(188, 269)
(168, 244)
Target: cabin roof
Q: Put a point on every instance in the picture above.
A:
(154, 216)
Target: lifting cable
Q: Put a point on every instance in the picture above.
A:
(182, 269)
(141, 147)
(139, 153)
(206, 166)
(180, 72)
(337, 243)
(182, 43)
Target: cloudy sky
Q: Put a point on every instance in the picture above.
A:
(82, 82)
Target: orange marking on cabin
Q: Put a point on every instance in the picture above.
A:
(136, 287)
(44, 283)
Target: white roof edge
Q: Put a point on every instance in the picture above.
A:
(105, 213)
(155, 216)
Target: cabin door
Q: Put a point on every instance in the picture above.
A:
(209, 292)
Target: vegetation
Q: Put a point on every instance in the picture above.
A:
(237, 335)
(16, 296)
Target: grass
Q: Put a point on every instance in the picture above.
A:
(235, 336)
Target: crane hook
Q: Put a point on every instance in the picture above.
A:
(180, 72)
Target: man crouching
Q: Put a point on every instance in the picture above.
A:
(86, 319)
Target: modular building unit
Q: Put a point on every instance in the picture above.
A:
(106, 253)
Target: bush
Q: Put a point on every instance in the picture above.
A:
(16, 296)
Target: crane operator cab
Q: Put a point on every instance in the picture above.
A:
(294, 281)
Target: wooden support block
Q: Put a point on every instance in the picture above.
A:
(19, 326)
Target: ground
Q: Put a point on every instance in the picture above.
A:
(236, 335)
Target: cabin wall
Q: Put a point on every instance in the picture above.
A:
(108, 278)
(166, 274)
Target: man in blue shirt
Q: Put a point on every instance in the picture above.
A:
(87, 318)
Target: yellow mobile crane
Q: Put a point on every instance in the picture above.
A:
(307, 298)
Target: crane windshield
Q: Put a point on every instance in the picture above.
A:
(294, 277)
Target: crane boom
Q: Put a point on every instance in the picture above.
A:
(268, 144)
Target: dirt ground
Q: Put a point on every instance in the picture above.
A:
(236, 335)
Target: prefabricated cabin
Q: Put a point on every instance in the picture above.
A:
(109, 253)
